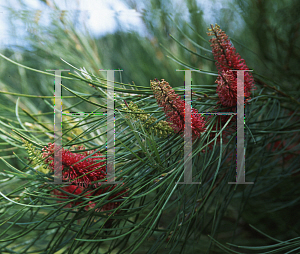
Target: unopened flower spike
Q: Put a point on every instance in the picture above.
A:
(174, 108)
(37, 158)
(161, 128)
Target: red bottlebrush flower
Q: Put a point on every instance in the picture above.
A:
(174, 108)
(89, 170)
(81, 173)
(227, 60)
(227, 89)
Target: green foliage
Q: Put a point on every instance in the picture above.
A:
(157, 215)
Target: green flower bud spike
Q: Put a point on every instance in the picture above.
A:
(160, 128)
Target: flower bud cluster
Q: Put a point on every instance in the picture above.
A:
(36, 157)
(160, 128)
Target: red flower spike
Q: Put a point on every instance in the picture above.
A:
(227, 60)
(174, 108)
(80, 173)
(89, 170)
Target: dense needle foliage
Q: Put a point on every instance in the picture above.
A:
(145, 210)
